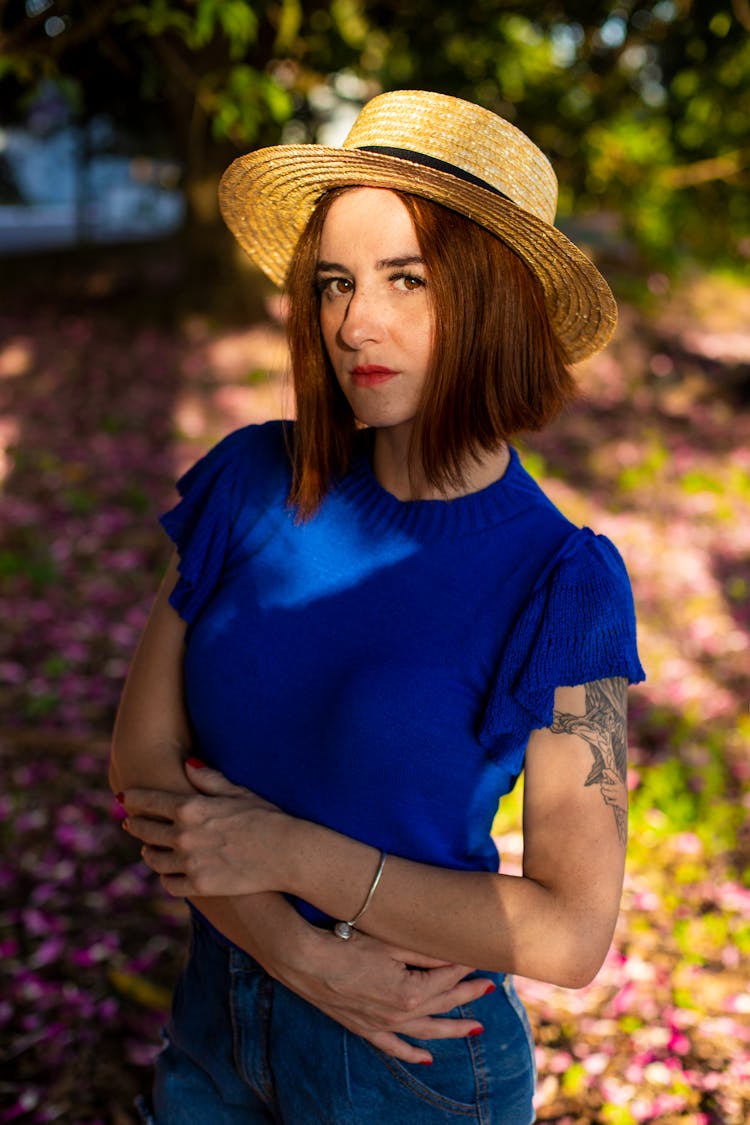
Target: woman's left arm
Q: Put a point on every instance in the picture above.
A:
(553, 923)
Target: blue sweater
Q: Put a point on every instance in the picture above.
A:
(379, 668)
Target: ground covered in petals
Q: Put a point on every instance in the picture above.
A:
(99, 412)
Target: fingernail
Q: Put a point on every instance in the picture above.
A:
(119, 797)
(124, 824)
(477, 1031)
(490, 989)
(196, 763)
(426, 1062)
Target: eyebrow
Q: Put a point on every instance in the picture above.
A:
(382, 264)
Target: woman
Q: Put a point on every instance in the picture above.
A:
(374, 621)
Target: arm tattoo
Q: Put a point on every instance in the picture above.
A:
(604, 728)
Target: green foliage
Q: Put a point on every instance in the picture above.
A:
(205, 63)
(158, 18)
(244, 102)
(617, 1115)
(677, 796)
(136, 499)
(32, 564)
(642, 107)
(237, 97)
(256, 377)
(197, 27)
(349, 18)
(535, 464)
(649, 470)
(574, 1080)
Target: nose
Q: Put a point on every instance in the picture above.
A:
(362, 322)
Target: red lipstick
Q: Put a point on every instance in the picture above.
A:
(370, 374)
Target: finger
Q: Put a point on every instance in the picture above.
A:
(418, 960)
(156, 832)
(212, 782)
(161, 860)
(432, 1027)
(431, 1001)
(468, 991)
(153, 802)
(440, 980)
(179, 886)
(398, 1048)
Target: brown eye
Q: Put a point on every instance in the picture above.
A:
(334, 286)
(408, 283)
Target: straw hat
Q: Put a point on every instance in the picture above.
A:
(444, 149)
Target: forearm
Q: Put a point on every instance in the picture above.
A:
(497, 922)
(554, 923)
(157, 765)
(267, 927)
(368, 987)
(250, 921)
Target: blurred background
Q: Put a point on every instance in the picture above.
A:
(133, 336)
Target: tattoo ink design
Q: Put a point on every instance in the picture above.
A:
(604, 728)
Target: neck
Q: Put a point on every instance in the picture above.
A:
(390, 462)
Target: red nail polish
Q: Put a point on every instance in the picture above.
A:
(477, 1031)
(490, 989)
(196, 763)
(119, 797)
(426, 1062)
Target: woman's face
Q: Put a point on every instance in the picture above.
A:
(375, 306)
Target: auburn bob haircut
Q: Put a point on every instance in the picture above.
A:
(497, 367)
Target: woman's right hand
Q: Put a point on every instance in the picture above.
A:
(380, 992)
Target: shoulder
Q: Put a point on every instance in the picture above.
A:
(266, 443)
(536, 515)
(240, 459)
(224, 493)
(567, 556)
(589, 562)
(581, 613)
(577, 626)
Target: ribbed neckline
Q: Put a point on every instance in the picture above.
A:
(436, 519)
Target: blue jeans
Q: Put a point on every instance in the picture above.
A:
(242, 1049)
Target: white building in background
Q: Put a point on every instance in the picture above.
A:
(62, 186)
(57, 190)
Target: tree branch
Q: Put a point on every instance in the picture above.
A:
(703, 171)
(741, 9)
(23, 35)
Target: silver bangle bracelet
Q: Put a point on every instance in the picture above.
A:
(344, 930)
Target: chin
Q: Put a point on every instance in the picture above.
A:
(375, 421)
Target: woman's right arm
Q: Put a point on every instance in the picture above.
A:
(364, 984)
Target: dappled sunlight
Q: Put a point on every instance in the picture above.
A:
(260, 350)
(9, 429)
(229, 379)
(15, 358)
(98, 420)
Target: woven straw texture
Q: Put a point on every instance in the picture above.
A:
(267, 197)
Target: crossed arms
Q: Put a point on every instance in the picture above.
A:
(232, 853)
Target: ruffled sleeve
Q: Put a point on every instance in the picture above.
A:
(578, 626)
(200, 524)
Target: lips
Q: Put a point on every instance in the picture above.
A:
(370, 374)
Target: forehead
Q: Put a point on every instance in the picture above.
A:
(374, 214)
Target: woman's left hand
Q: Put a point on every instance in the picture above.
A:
(221, 840)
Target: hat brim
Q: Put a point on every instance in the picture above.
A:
(267, 197)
